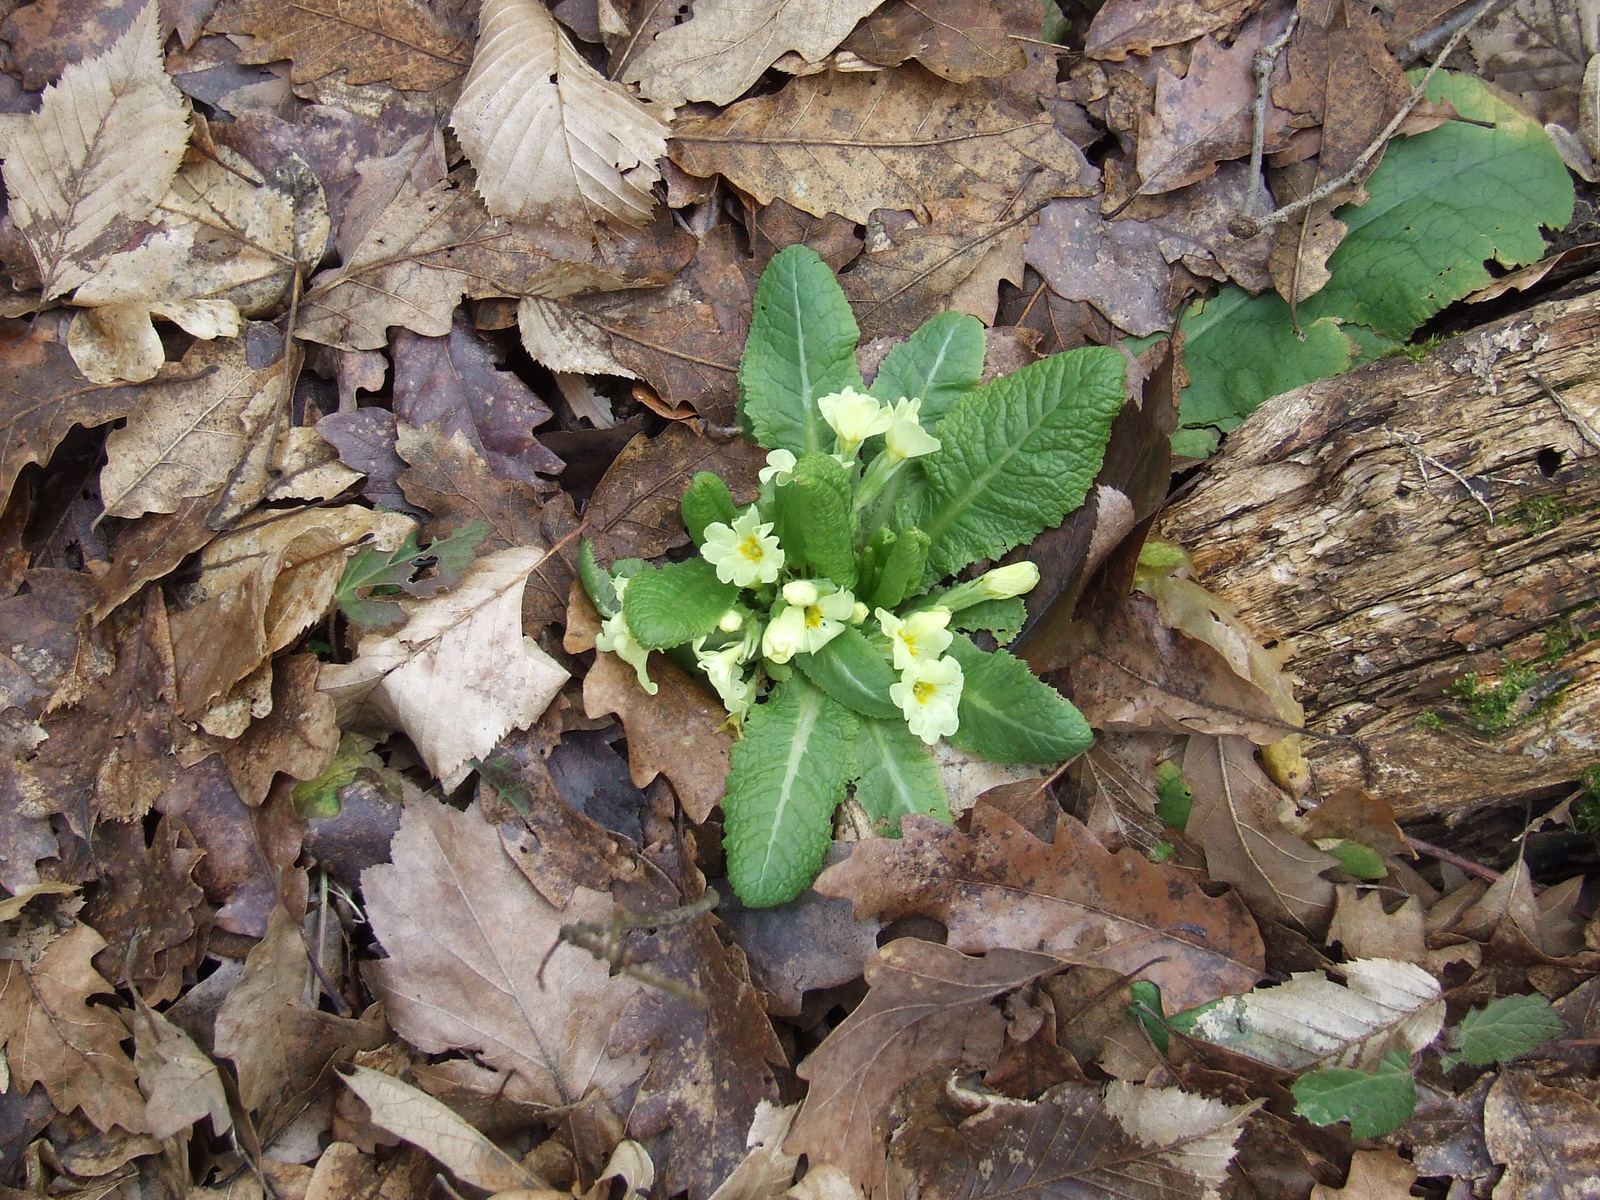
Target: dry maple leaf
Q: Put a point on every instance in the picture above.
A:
(896, 139)
(930, 1006)
(466, 935)
(52, 1036)
(1000, 886)
(460, 673)
(553, 140)
(97, 157)
(398, 42)
(723, 48)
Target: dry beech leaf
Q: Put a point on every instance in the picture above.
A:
(723, 48)
(1075, 1140)
(895, 139)
(52, 1035)
(1547, 1137)
(412, 1114)
(553, 140)
(398, 42)
(1236, 820)
(930, 1006)
(466, 935)
(1000, 886)
(459, 674)
(97, 157)
(180, 1084)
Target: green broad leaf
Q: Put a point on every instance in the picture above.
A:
(802, 346)
(937, 363)
(1361, 861)
(319, 797)
(898, 775)
(1018, 455)
(902, 571)
(1009, 715)
(399, 569)
(854, 673)
(1442, 204)
(1240, 350)
(597, 581)
(1506, 1028)
(1374, 1102)
(1146, 1009)
(817, 518)
(1174, 800)
(785, 778)
(705, 501)
(1003, 618)
(676, 603)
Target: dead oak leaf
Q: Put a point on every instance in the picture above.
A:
(553, 141)
(929, 1006)
(1547, 1137)
(180, 1083)
(466, 935)
(1374, 1175)
(446, 476)
(1000, 886)
(399, 42)
(958, 40)
(1118, 266)
(52, 1036)
(97, 157)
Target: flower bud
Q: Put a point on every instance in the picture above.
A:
(1002, 583)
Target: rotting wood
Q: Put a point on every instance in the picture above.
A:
(1338, 519)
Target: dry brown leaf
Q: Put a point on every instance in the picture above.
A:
(1374, 1175)
(1236, 819)
(554, 142)
(97, 157)
(466, 936)
(1547, 1137)
(1539, 49)
(959, 40)
(765, 1171)
(448, 477)
(723, 48)
(1000, 886)
(421, 1120)
(1124, 27)
(930, 1006)
(1121, 806)
(180, 1084)
(1363, 927)
(48, 35)
(1118, 266)
(1131, 1140)
(399, 42)
(52, 1035)
(298, 738)
(459, 673)
(279, 1044)
(895, 139)
(192, 437)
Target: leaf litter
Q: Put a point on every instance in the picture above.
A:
(338, 856)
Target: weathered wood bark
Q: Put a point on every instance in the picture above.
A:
(1338, 519)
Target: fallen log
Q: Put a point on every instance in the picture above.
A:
(1423, 539)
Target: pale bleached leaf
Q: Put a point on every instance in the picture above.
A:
(98, 155)
(551, 138)
(180, 1083)
(718, 53)
(460, 674)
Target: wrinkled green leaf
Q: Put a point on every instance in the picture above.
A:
(705, 501)
(1018, 455)
(598, 582)
(903, 566)
(1504, 1029)
(816, 519)
(1009, 715)
(802, 346)
(785, 777)
(1003, 618)
(851, 670)
(1374, 1102)
(398, 569)
(676, 603)
(898, 775)
(937, 364)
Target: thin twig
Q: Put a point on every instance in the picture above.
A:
(1248, 225)
(1265, 60)
(1427, 40)
(1413, 443)
(604, 940)
(1574, 418)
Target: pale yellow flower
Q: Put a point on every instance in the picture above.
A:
(929, 694)
(854, 417)
(921, 637)
(1002, 583)
(785, 635)
(616, 638)
(813, 618)
(905, 437)
(745, 554)
(722, 668)
(779, 464)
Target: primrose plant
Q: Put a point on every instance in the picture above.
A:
(828, 615)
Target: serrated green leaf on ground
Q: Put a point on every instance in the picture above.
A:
(371, 568)
(817, 520)
(1505, 1028)
(1018, 455)
(1003, 618)
(852, 671)
(802, 346)
(706, 500)
(1009, 715)
(1375, 1102)
(676, 603)
(898, 775)
(785, 777)
(937, 363)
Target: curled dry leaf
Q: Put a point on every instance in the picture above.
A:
(97, 157)
(1124, 27)
(1000, 886)
(459, 674)
(553, 140)
(466, 935)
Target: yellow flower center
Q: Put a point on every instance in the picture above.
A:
(751, 549)
(813, 616)
(922, 690)
(910, 642)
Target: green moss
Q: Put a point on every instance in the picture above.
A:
(1428, 719)
(1562, 637)
(1586, 807)
(1494, 709)
(1540, 513)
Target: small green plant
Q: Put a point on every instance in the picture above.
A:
(1539, 514)
(1586, 805)
(1495, 709)
(826, 615)
(1428, 719)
